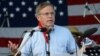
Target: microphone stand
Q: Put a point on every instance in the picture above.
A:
(87, 7)
(5, 18)
(22, 44)
(24, 41)
(48, 51)
(83, 47)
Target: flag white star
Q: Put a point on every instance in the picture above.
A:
(11, 15)
(35, 3)
(4, 9)
(60, 1)
(61, 13)
(30, 9)
(17, 9)
(23, 3)
(24, 15)
(10, 3)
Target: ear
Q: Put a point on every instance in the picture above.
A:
(37, 17)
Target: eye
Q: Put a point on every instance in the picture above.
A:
(48, 13)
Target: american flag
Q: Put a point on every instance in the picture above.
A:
(21, 12)
(18, 15)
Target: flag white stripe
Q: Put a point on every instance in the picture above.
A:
(76, 10)
(12, 32)
(16, 32)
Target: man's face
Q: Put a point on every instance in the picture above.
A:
(46, 16)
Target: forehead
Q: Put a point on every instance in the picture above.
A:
(47, 9)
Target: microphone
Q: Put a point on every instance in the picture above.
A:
(35, 30)
(89, 32)
(49, 33)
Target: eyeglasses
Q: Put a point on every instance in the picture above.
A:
(46, 14)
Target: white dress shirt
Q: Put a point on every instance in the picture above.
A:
(61, 43)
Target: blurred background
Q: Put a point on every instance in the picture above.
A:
(17, 16)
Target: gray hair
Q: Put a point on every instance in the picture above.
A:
(41, 6)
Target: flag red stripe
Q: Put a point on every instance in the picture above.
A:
(79, 20)
(4, 41)
(96, 38)
(77, 2)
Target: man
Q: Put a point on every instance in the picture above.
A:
(56, 40)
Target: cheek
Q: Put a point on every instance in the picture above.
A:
(42, 21)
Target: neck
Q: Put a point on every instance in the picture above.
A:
(47, 27)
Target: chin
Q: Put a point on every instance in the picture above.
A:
(50, 25)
